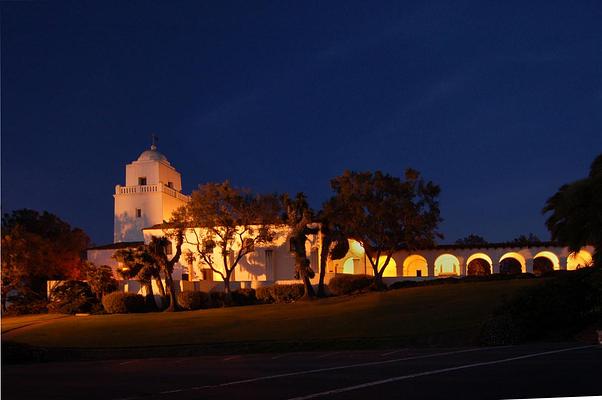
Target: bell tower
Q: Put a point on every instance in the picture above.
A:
(152, 191)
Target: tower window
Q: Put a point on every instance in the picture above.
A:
(138, 213)
(170, 184)
(142, 181)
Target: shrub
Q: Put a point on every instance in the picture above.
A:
(27, 303)
(244, 297)
(280, 293)
(348, 284)
(194, 300)
(288, 293)
(219, 299)
(553, 310)
(405, 284)
(121, 303)
(72, 297)
(264, 294)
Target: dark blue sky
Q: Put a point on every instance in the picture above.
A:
(498, 102)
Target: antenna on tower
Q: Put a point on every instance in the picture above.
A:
(154, 141)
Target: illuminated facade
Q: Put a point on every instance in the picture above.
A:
(153, 190)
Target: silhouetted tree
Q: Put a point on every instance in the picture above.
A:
(526, 240)
(37, 247)
(575, 219)
(384, 213)
(472, 240)
(299, 217)
(139, 264)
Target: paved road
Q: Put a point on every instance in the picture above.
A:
(543, 370)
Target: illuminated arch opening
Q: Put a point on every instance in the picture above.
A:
(578, 260)
(391, 270)
(544, 262)
(512, 263)
(447, 265)
(349, 266)
(356, 248)
(479, 264)
(415, 265)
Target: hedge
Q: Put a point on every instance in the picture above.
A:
(348, 284)
(121, 303)
(280, 293)
(194, 300)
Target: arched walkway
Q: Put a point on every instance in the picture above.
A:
(479, 264)
(415, 265)
(578, 260)
(512, 263)
(447, 265)
(545, 262)
(391, 270)
(349, 266)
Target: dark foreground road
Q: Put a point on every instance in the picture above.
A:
(479, 373)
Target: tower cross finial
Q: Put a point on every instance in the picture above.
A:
(154, 141)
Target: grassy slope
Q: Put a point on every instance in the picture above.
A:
(10, 323)
(443, 315)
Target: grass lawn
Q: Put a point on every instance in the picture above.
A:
(10, 323)
(436, 315)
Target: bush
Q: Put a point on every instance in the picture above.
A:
(121, 303)
(244, 297)
(280, 293)
(348, 284)
(288, 293)
(553, 310)
(27, 303)
(72, 297)
(264, 294)
(194, 300)
(219, 299)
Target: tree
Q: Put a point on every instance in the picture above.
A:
(138, 263)
(227, 225)
(335, 244)
(299, 216)
(574, 218)
(100, 279)
(526, 240)
(472, 240)
(37, 247)
(158, 248)
(384, 213)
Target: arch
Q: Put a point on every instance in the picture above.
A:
(349, 266)
(550, 256)
(447, 265)
(515, 263)
(545, 261)
(479, 264)
(391, 270)
(415, 265)
(356, 248)
(579, 260)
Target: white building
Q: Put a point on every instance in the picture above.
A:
(153, 190)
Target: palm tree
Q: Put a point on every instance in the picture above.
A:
(158, 250)
(139, 264)
(335, 246)
(575, 213)
(299, 217)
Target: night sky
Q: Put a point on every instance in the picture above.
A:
(499, 103)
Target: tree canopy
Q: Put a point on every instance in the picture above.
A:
(385, 213)
(37, 247)
(472, 240)
(575, 212)
(228, 223)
